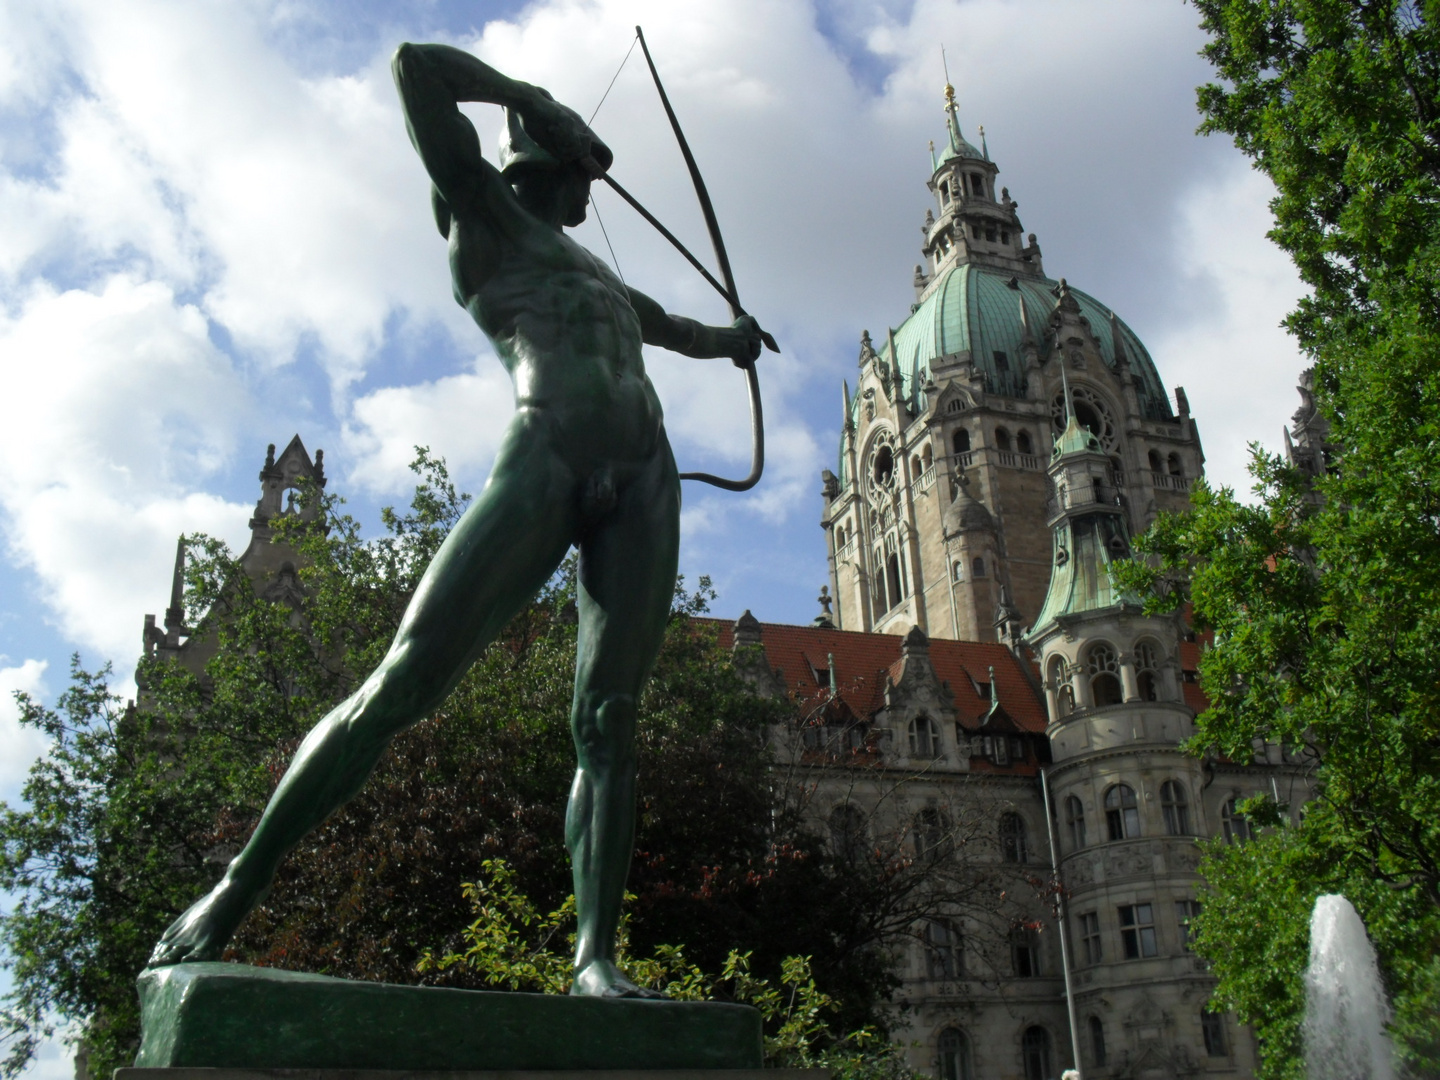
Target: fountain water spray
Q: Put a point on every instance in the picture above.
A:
(1345, 1005)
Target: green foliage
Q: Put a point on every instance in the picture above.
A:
(135, 811)
(1323, 593)
(511, 944)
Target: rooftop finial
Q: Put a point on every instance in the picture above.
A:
(825, 620)
(984, 146)
(951, 109)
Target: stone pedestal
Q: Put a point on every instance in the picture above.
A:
(229, 1021)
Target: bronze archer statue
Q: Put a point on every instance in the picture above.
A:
(584, 462)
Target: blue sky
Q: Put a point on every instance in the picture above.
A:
(214, 235)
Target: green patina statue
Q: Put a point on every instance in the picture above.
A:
(585, 462)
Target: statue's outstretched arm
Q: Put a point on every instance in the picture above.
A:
(740, 341)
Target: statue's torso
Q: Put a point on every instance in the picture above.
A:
(563, 325)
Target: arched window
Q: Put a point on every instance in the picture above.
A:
(1156, 464)
(931, 834)
(927, 457)
(1147, 670)
(944, 956)
(1122, 813)
(849, 837)
(1023, 443)
(1002, 439)
(884, 469)
(892, 578)
(1176, 469)
(877, 597)
(977, 567)
(916, 468)
(959, 570)
(1104, 669)
(953, 1058)
(1097, 1042)
(1176, 808)
(1234, 826)
(924, 738)
(1013, 847)
(961, 440)
(1035, 1052)
(1075, 822)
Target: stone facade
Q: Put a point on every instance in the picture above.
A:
(935, 513)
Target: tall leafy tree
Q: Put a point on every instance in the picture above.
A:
(1324, 591)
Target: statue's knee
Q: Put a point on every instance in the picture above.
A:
(605, 730)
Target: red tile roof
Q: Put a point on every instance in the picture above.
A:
(862, 662)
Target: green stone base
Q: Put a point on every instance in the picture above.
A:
(231, 1017)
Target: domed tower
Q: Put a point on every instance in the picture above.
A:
(957, 407)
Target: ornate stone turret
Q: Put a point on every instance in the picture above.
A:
(975, 225)
(1118, 716)
(270, 565)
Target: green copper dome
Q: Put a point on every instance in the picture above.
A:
(977, 309)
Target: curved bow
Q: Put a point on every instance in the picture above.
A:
(728, 290)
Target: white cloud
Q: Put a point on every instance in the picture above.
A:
(459, 418)
(1238, 367)
(123, 408)
(19, 746)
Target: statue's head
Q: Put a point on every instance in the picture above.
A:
(542, 180)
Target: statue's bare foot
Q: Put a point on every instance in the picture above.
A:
(204, 930)
(601, 978)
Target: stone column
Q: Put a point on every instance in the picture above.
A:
(1052, 699)
(1129, 684)
(1080, 686)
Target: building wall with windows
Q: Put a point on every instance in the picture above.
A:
(933, 748)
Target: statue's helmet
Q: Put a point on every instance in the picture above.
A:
(519, 151)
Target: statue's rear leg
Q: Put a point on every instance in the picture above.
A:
(492, 563)
(626, 584)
